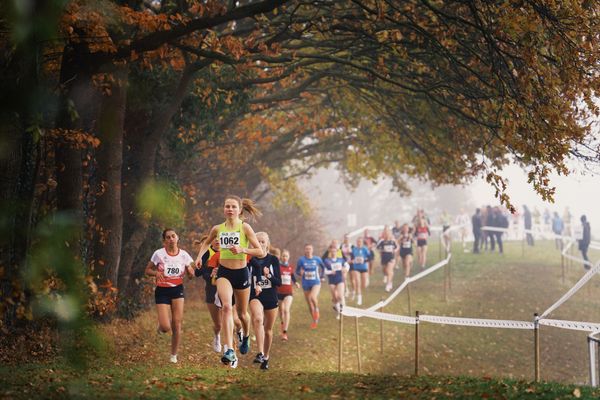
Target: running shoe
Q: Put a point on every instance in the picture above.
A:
(388, 287)
(313, 325)
(260, 357)
(229, 358)
(359, 300)
(173, 358)
(265, 364)
(217, 344)
(245, 345)
(284, 336)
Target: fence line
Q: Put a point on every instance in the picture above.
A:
(484, 322)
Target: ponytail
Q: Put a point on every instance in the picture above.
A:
(247, 207)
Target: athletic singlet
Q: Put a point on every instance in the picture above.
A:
(360, 256)
(422, 232)
(387, 246)
(334, 267)
(229, 238)
(311, 268)
(346, 251)
(406, 241)
(287, 279)
(172, 267)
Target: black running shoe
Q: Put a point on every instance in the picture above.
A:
(265, 364)
(260, 357)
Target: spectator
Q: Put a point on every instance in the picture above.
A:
(557, 228)
(585, 240)
(527, 225)
(498, 220)
(476, 222)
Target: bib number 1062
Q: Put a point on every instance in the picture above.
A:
(229, 239)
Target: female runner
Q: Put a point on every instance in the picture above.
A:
(422, 233)
(360, 268)
(308, 267)
(263, 299)
(387, 245)
(168, 265)
(285, 292)
(334, 270)
(233, 277)
(406, 240)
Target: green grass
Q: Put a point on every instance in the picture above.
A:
(509, 286)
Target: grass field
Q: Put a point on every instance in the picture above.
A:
(498, 361)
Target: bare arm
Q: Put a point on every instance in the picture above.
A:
(151, 270)
(211, 236)
(255, 250)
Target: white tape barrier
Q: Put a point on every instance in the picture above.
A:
(571, 325)
(408, 280)
(359, 312)
(482, 323)
(476, 322)
(584, 279)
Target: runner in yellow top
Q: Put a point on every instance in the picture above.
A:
(233, 278)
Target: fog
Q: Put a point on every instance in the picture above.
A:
(344, 210)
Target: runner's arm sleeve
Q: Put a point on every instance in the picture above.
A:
(276, 278)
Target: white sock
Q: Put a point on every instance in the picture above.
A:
(225, 348)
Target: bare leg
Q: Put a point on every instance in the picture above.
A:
(285, 311)
(164, 317)
(241, 304)
(269, 321)
(215, 315)
(257, 310)
(225, 292)
(176, 322)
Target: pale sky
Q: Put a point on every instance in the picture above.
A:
(580, 192)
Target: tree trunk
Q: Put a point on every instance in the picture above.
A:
(109, 157)
(141, 155)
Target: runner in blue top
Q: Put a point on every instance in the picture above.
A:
(334, 270)
(308, 267)
(360, 268)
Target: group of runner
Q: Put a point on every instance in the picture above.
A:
(249, 282)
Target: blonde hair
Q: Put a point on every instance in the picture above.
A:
(247, 206)
(270, 248)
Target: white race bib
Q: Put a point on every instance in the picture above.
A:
(229, 239)
(264, 283)
(337, 266)
(310, 275)
(406, 244)
(172, 270)
(388, 248)
(359, 260)
(286, 279)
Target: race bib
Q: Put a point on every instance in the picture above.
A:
(336, 266)
(172, 270)
(406, 244)
(286, 279)
(310, 275)
(264, 283)
(229, 239)
(422, 235)
(359, 260)
(388, 248)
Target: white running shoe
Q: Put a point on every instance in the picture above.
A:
(359, 300)
(388, 287)
(217, 343)
(173, 358)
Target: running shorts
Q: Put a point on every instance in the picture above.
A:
(239, 278)
(164, 295)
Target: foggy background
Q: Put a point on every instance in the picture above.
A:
(378, 204)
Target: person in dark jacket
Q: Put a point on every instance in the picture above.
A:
(476, 222)
(527, 224)
(584, 242)
(498, 221)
